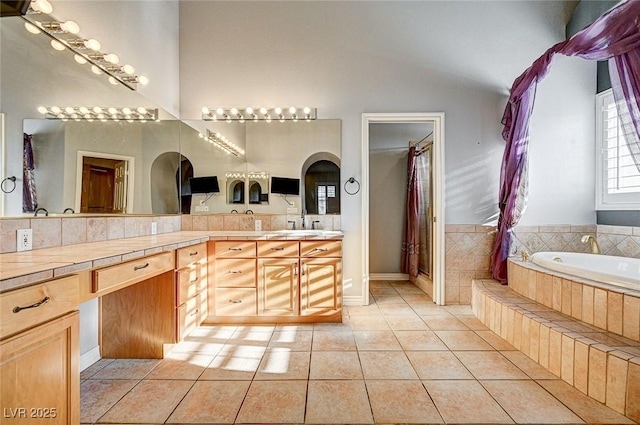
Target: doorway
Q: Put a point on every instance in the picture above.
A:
(104, 183)
(436, 287)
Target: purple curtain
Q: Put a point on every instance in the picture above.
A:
(411, 233)
(614, 36)
(29, 201)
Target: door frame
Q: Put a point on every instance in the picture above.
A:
(130, 169)
(437, 119)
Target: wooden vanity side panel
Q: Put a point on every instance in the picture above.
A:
(139, 319)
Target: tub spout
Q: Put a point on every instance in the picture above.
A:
(595, 248)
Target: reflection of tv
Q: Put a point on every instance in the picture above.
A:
(204, 184)
(285, 186)
(14, 8)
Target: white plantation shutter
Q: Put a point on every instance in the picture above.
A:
(618, 178)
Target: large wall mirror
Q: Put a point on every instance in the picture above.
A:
(81, 166)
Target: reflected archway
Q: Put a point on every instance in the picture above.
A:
(321, 176)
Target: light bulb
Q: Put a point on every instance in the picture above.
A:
(83, 110)
(56, 110)
(57, 45)
(267, 118)
(69, 110)
(42, 109)
(218, 135)
(112, 111)
(307, 110)
(111, 58)
(234, 111)
(80, 59)
(205, 110)
(249, 110)
(141, 110)
(32, 28)
(97, 109)
(128, 69)
(143, 80)
(96, 70)
(126, 111)
(200, 135)
(100, 117)
(292, 110)
(42, 6)
(70, 27)
(263, 110)
(113, 81)
(278, 110)
(219, 111)
(92, 44)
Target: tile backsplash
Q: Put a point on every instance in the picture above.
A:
(232, 222)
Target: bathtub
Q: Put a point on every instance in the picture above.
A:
(617, 271)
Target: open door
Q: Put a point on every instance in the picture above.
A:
(103, 183)
(120, 195)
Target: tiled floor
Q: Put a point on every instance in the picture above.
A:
(399, 360)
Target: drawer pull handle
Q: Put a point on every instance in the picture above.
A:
(136, 268)
(194, 313)
(279, 248)
(235, 249)
(195, 279)
(235, 271)
(193, 253)
(18, 309)
(321, 249)
(235, 301)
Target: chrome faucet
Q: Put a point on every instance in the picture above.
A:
(68, 210)
(293, 224)
(313, 224)
(595, 248)
(46, 213)
(303, 225)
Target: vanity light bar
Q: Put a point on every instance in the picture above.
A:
(98, 113)
(224, 144)
(259, 114)
(234, 175)
(64, 35)
(258, 175)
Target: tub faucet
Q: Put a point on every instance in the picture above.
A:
(595, 248)
(46, 213)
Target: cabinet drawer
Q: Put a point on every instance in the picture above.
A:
(27, 307)
(236, 249)
(191, 314)
(321, 249)
(132, 271)
(278, 249)
(191, 281)
(236, 302)
(191, 255)
(239, 272)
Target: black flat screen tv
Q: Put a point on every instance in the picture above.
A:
(285, 186)
(14, 8)
(204, 184)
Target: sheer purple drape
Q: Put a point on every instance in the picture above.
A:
(615, 36)
(411, 234)
(29, 201)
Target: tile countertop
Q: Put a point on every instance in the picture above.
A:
(19, 269)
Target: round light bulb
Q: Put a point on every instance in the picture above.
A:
(263, 110)
(113, 81)
(200, 135)
(43, 6)
(80, 59)
(57, 45)
(128, 69)
(205, 110)
(32, 28)
(307, 110)
(100, 117)
(112, 111)
(83, 110)
(141, 110)
(219, 111)
(97, 110)
(56, 110)
(249, 110)
(234, 111)
(70, 27)
(42, 109)
(278, 110)
(292, 110)
(111, 58)
(69, 110)
(126, 111)
(218, 135)
(143, 80)
(96, 70)
(92, 44)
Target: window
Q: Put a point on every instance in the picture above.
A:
(617, 177)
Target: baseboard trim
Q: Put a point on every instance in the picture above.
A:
(388, 276)
(352, 300)
(89, 358)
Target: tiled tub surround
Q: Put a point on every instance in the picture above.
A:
(606, 307)
(600, 364)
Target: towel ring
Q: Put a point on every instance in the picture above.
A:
(11, 179)
(352, 180)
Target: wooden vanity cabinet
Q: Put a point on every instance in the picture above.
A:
(40, 354)
(278, 270)
(234, 275)
(320, 278)
(191, 288)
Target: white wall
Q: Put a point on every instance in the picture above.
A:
(347, 58)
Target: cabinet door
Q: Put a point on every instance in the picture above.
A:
(320, 286)
(277, 286)
(40, 380)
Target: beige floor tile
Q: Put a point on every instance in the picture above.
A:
(363, 310)
(419, 340)
(463, 340)
(407, 288)
(293, 340)
(234, 363)
(274, 402)
(333, 341)
(401, 402)
(495, 340)
(338, 402)
(335, 365)
(444, 323)
(388, 299)
(211, 402)
(396, 310)
(148, 402)
(98, 396)
(460, 310)
(528, 366)
(417, 299)
(181, 366)
(437, 365)
(586, 407)
(205, 340)
(334, 327)
(386, 365)
(280, 327)
(528, 402)
(406, 323)
(472, 323)
(126, 369)
(281, 364)
(368, 323)
(251, 337)
(91, 370)
(376, 340)
(489, 365)
(462, 402)
(428, 308)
